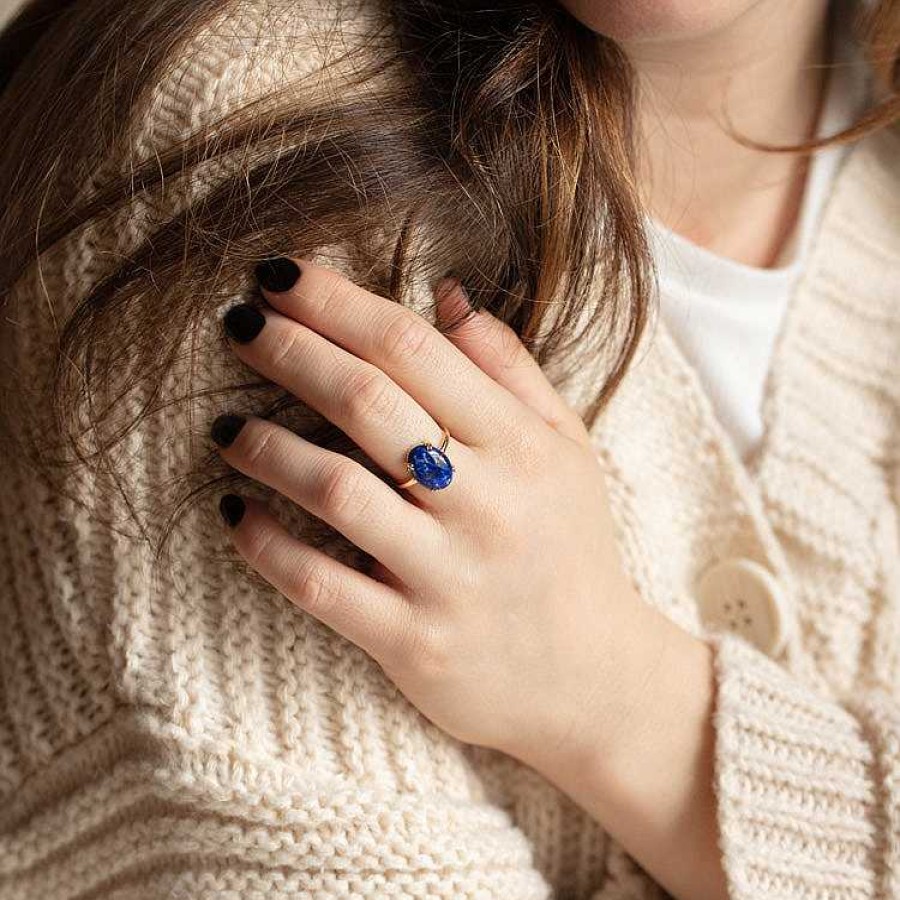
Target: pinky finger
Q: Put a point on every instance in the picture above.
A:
(369, 613)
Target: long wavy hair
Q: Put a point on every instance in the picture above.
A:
(505, 130)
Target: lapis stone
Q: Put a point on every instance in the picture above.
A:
(430, 466)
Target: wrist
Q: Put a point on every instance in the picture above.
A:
(608, 712)
(648, 779)
(669, 717)
(654, 681)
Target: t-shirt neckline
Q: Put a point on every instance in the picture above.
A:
(686, 268)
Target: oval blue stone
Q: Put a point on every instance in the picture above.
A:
(430, 466)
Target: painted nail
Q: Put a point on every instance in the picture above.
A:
(278, 274)
(232, 507)
(244, 322)
(226, 428)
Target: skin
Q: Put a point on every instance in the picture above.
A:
(462, 612)
(755, 63)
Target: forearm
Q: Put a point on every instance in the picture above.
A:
(649, 779)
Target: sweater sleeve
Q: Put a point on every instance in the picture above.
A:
(808, 789)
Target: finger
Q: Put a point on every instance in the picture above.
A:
(336, 489)
(496, 349)
(403, 344)
(364, 402)
(369, 613)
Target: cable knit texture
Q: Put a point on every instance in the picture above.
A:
(185, 732)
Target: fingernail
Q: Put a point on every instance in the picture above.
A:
(244, 322)
(232, 507)
(277, 274)
(226, 428)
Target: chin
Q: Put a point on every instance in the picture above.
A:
(657, 20)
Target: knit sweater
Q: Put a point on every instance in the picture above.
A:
(186, 732)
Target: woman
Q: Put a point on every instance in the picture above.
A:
(540, 598)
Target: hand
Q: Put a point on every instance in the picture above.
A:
(498, 606)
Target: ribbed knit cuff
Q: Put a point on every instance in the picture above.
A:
(806, 791)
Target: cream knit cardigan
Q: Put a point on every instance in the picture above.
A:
(188, 733)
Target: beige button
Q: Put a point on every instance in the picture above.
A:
(741, 596)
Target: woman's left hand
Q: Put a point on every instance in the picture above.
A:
(500, 607)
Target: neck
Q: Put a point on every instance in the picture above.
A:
(763, 72)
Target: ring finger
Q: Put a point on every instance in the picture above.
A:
(333, 488)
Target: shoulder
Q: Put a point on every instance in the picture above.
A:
(253, 49)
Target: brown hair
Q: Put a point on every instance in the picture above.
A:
(506, 132)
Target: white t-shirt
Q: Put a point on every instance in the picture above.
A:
(724, 315)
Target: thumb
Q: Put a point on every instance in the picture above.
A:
(496, 349)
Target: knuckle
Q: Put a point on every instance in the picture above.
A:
(284, 346)
(255, 543)
(313, 587)
(406, 336)
(331, 288)
(370, 395)
(340, 492)
(261, 448)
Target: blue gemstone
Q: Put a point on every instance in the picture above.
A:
(430, 466)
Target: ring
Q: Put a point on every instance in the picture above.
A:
(429, 465)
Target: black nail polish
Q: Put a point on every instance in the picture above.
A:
(278, 274)
(244, 322)
(226, 428)
(232, 507)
